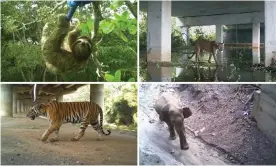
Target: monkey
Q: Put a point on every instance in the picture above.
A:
(61, 56)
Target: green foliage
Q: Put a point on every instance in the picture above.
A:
(143, 32)
(177, 39)
(17, 61)
(116, 77)
(22, 23)
(121, 104)
(120, 25)
(199, 33)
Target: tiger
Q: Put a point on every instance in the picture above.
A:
(69, 112)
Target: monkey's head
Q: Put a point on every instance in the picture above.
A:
(82, 48)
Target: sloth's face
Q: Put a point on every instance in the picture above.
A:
(82, 48)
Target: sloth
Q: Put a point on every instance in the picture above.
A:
(61, 56)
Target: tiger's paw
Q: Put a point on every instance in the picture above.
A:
(74, 139)
(99, 139)
(54, 139)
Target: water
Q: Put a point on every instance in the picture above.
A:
(236, 67)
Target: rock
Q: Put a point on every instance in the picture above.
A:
(172, 151)
(201, 130)
(213, 134)
(151, 121)
(18, 154)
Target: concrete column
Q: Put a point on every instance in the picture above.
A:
(6, 100)
(14, 103)
(27, 107)
(256, 33)
(270, 31)
(219, 39)
(219, 33)
(97, 94)
(18, 106)
(22, 107)
(59, 97)
(160, 74)
(159, 31)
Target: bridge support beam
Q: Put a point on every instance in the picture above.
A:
(59, 97)
(256, 32)
(270, 31)
(14, 103)
(18, 106)
(159, 31)
(219, 39)
(97, 94)
(21, 106)
(6, 100)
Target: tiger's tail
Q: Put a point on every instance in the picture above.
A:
(101, 122)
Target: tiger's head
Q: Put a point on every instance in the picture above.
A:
(36, 111)
(219, 46)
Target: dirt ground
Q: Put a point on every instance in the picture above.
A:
(220, 131)
(21, 145)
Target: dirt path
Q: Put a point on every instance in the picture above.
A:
(156, 148)
(21, 145)
(225, 132)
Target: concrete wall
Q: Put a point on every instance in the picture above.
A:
(264, 110)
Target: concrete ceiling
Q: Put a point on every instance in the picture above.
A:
(206, 8)
(45, 91)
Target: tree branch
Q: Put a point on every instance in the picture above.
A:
(23, 75)
(97, 19)
(95, 39)
(58, 5)
(132, 8)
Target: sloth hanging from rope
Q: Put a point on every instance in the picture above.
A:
(73, 54)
